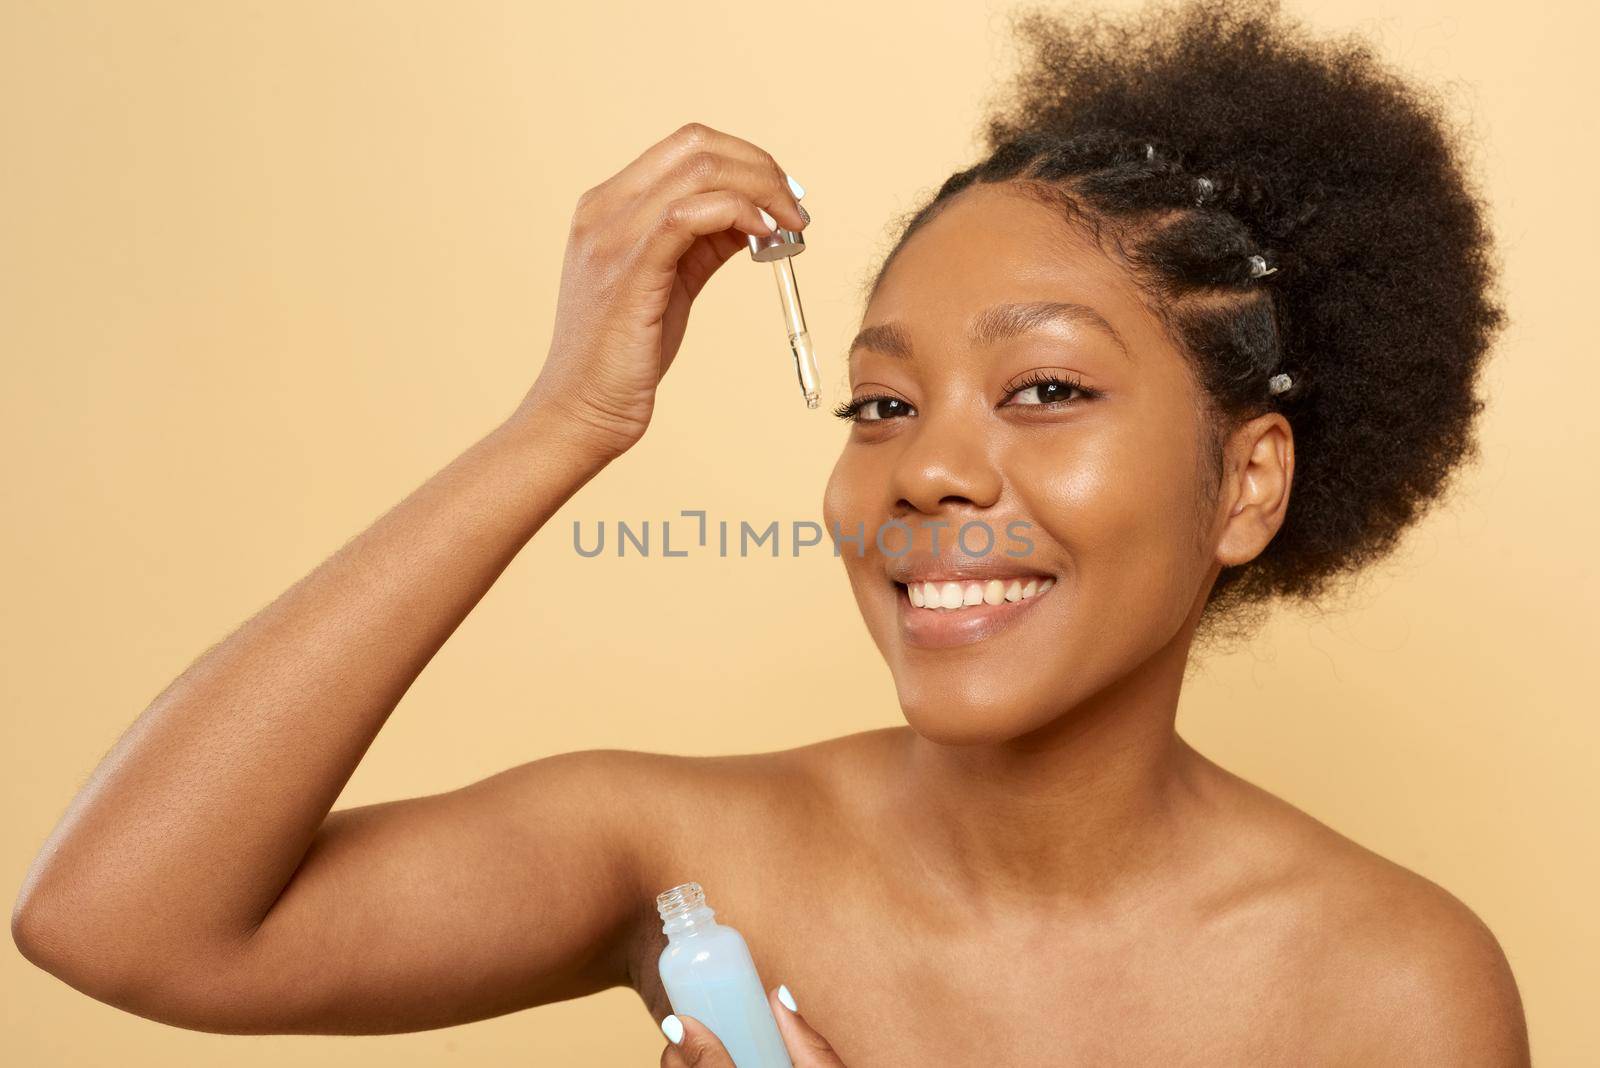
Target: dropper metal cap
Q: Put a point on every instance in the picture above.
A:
(764, 248)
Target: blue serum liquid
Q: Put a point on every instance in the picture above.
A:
(709, 974)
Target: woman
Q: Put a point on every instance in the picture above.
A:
(1203, 327)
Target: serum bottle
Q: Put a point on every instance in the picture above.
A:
(709, 974)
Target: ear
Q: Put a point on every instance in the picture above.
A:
(1255, 489)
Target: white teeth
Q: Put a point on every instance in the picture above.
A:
(952, 596)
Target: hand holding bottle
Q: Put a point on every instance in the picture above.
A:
(642, 245)
(696, 1047)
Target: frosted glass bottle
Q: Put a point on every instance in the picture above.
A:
(709, 974)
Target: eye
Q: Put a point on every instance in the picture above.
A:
(874, 409)
(1046, 388)
(1042, 393)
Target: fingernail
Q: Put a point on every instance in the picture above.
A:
(804, 214)
(772, 224)
(796, 188)
(787, 999)
(672, 1027)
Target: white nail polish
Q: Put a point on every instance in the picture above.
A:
(769, 220)
(787, 999)
(796, 188)
(672, 1027)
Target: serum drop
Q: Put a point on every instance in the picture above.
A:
(709, 974)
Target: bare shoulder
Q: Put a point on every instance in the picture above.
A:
(1405, 971)
(663, 808)
(801, 777)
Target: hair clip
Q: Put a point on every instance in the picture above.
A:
(1149, 150)
(1259, 268)
(1278, 383)
(1203, 188)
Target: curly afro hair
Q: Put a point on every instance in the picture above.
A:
(1191, 138)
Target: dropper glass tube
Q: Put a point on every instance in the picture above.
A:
(780, 248)
(805, 357)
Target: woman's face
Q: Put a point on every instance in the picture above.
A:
(1095, 502)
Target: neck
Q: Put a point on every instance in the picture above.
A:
(1082, 808)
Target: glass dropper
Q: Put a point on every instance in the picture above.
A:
(805, 357)
(779, 248)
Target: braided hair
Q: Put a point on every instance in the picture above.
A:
(1298, 219)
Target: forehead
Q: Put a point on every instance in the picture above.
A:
(991, 245)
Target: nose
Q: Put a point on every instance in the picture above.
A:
(944, 462)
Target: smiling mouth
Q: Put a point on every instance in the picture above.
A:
(957, 596)
(937, 615)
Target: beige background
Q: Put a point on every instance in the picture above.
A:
(266, 266)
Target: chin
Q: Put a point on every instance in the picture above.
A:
(974, 676)
(971, 711)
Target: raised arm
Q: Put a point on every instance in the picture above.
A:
(198, 877)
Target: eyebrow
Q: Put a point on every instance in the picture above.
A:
(994, 324)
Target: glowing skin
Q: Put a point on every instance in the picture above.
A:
(1110, 484)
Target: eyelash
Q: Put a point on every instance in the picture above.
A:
(1053, 378)
(851, 410)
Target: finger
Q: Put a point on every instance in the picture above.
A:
(696, 1046)
(680, 222)
(807, 1048)
(679, 150)
(692, 136)
(704, 258)
(702, 172)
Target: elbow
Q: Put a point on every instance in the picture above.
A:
(149, 976)
(31, 928)
(40, 927)
(55, 933)
(46, 937)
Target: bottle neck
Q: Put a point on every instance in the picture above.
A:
(684, 911)
(689, 923)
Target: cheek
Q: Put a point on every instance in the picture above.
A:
(1122, 510)
(840, 509)
(851, 503)
(834, 495)
(1086, 494)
